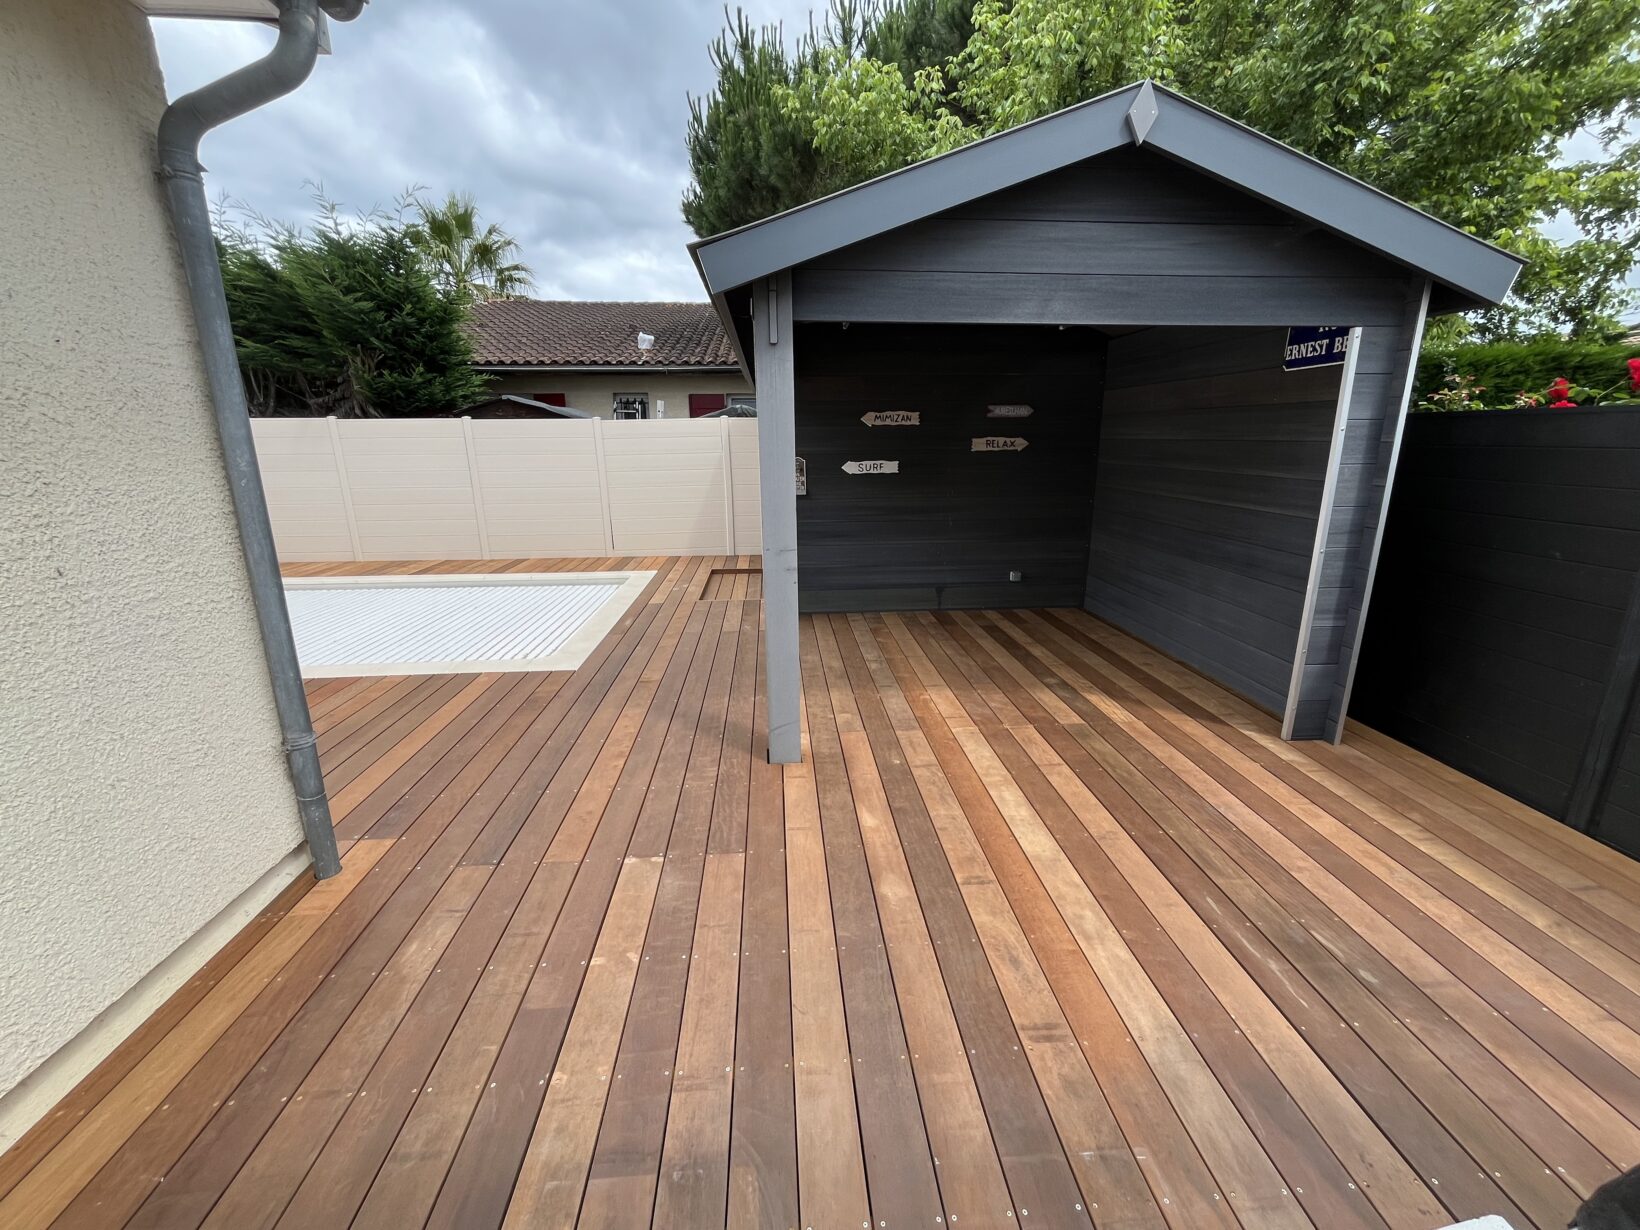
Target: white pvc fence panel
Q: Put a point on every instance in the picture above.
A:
(510, 488)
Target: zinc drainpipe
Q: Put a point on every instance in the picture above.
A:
(181, 130)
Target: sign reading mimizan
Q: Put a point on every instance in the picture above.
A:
(892, 418)
(871, 467)
(996, 444)
(1315, 346)
(1009, 412)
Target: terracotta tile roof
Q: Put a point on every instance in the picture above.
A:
(555, 332)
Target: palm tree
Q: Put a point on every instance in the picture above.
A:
(465, 261)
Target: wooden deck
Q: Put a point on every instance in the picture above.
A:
(1045, 931)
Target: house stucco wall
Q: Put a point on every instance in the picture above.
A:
(595, 392)
(144, 788)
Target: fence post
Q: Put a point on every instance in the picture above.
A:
(1611, 720)
(475, 485)
(603, 485)
(347, 488)
(728, 487)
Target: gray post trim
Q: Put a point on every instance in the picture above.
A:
(1400, 411)
(1323, 530)
(772, 342)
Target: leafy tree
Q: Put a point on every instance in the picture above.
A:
(344, 319)
(1460, 107)
(476, 264)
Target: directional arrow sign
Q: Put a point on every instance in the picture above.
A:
(1009, 412)
(892, 418)
(871, 467)
(997, 444)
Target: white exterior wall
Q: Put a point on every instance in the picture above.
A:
(595, 392)
(143, 785)
(382, 489)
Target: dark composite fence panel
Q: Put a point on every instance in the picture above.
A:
(1619, 819)
(950, 526)
(1506, 573)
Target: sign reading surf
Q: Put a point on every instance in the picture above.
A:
(871, 467)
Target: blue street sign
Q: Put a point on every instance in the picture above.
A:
(1315, 346)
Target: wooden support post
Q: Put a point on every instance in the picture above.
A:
(777, 454)
(1323, 534)
(1376, 386)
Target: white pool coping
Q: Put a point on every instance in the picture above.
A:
(567, 656)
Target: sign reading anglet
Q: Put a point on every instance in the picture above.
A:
(1009, 412)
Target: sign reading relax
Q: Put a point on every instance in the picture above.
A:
(997, 444)
(1315, 346)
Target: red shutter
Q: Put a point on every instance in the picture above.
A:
(705, 403)
(551, 399)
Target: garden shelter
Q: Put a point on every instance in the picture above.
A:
(1133, 357)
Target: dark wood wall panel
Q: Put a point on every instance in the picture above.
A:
(948, 528)
(1508, 563)
(1125, 239)
(1211, 466)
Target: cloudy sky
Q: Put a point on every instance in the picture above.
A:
(564, 119)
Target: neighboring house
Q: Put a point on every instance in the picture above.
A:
(512, 406)
(618, 360)
(148, 811)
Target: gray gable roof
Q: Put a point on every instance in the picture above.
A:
(1476, 272)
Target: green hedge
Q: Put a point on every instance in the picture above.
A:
(1505, 368)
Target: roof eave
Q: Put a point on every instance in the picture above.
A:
(1217, 146)
(720, 305)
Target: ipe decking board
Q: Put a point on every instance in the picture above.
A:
(1046, 930)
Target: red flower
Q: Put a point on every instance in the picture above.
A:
(1560, 388)
(1634, 375)
(1563, 404)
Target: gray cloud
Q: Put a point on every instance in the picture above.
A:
(565, 120)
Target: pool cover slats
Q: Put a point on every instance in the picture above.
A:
(404, 625)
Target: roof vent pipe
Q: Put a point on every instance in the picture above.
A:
(183, 126)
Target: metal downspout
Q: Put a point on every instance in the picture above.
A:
(181, 129)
